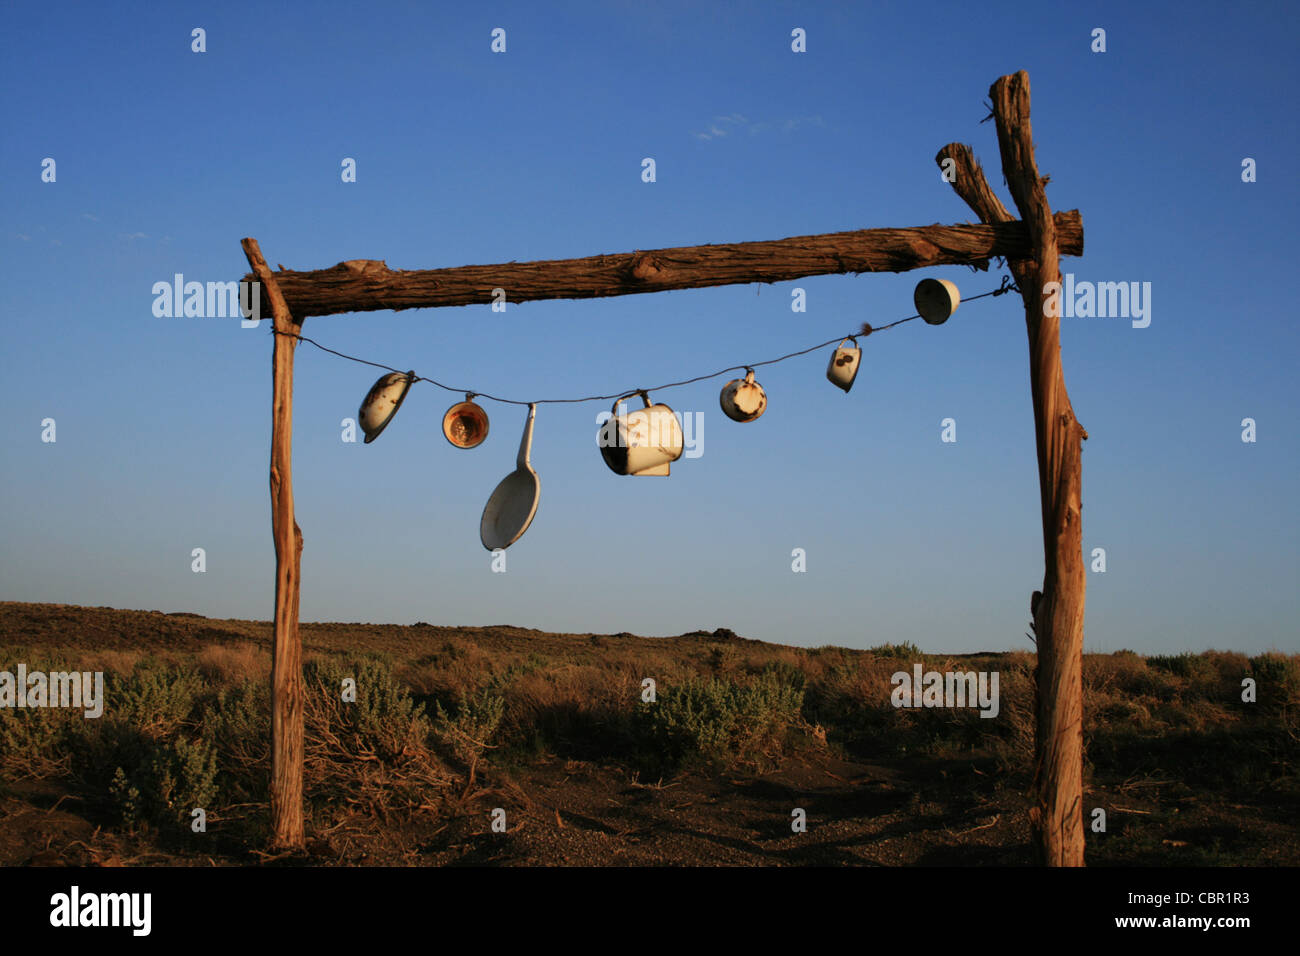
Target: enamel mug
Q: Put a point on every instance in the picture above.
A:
(743, 399)
(643, 442)
(844, 364)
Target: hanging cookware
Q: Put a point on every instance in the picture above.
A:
(643, 442)
(466, 424)
(382, 402)
(743, 399)
(935, 300)
(513, 504)
(844, 364)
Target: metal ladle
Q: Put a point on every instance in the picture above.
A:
(513, 504)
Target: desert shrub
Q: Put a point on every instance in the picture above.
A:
(1151, 681)
(1014, 728)
(1187, 665)
(144, 759)
(578, 710)
(155, 699)
(33, 743)
(784, 672)
(166, 780)
(904, 651)
(381, 723)
(1173, 663)
(502, 678)
(722, 659)
(850, 697)
(1118, 710)
(1230, 666)
(468, 733)
(456, 667)
(854, 702)
(1273, 667)
(947, 731)
(137, 760)
(142, 778)
(1277, 680)
(371, 750)
(721, 721)
(1112, 673)
(364, 752)
(238, 723)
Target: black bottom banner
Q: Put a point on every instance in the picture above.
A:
(333, 905)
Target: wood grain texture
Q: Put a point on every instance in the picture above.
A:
(1057, 814)
(366, 285)
(286, 660)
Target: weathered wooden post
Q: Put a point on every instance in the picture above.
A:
(1057, 816)
(286, 659)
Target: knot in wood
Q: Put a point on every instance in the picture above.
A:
(645, 267)
(365, 266)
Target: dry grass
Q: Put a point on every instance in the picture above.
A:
(233, 663)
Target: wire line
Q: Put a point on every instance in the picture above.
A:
(1007, 286)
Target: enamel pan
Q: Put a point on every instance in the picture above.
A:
(936, 300)
(382, 403)
(512, 506)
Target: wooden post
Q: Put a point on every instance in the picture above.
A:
(286, 662)
(1057, 814)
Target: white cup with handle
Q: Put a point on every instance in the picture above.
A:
(643, 442)
(743, 399)
(844, 364)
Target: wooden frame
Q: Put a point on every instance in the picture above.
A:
(1032, 247)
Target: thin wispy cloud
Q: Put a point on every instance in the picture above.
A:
(86, 215)
(724, 125)
(786, 125)
(132, 235)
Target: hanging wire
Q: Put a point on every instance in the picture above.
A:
(1007, 286)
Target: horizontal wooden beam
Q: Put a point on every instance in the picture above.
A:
(365, 285)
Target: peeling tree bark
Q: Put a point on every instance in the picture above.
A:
(1057, 814)
(365, 285)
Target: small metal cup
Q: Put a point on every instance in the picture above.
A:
(466, 424)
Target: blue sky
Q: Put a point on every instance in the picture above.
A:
(166, 158)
